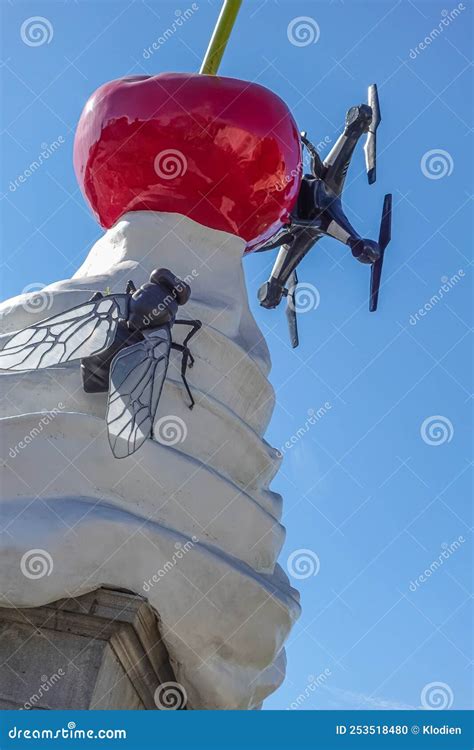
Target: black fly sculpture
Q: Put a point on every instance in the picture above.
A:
(124, 343)
(318, 213)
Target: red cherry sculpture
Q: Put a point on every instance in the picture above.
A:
(222, 151)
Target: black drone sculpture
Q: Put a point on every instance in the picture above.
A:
(123, 342)
(318, 213)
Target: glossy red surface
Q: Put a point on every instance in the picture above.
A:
(222, 151)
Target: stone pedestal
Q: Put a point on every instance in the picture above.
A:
(98, 651)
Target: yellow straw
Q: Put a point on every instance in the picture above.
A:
(220, 37)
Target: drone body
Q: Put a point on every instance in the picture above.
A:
(318, 213)
(123, 342)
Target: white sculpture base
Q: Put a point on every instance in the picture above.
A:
(188, 522)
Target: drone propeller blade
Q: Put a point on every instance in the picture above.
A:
(370, 147)
(291, 309)
(385, 236)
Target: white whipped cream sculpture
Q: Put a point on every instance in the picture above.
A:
(188, 521)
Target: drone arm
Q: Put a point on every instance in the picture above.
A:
(272, 291)
(337, 161)
(333, 222)
(286, 261)
(288, 258)
(340, 228)
(283, 236)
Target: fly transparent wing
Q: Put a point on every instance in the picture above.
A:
(80, 332)
(137, 375)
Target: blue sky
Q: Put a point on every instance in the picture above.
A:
(364, 492)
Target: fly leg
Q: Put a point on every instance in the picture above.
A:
(195, 325)
(184, 365)
(187, 359)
